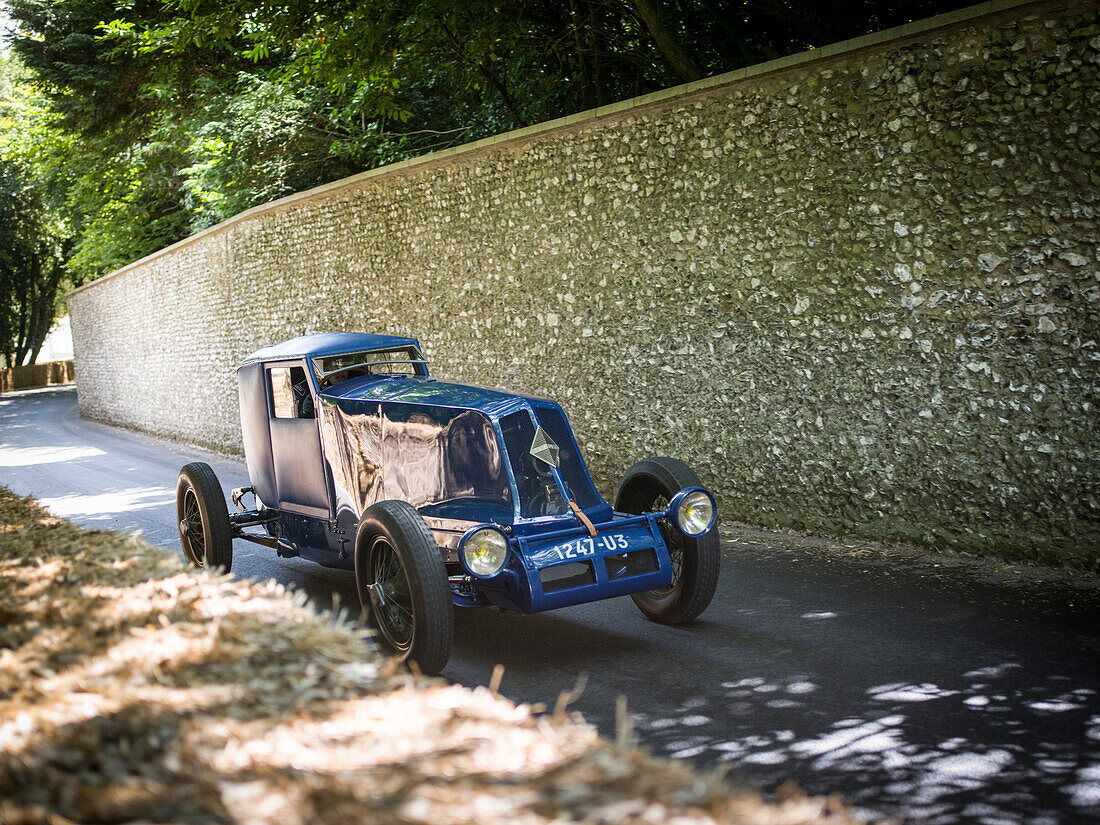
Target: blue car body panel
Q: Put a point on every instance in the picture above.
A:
(422, 390)
(461, 455)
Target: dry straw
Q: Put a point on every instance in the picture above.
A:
(135, 690)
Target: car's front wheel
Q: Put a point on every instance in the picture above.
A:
(650, 485)
(403, 585)
(203, 518)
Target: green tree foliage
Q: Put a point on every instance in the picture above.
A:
(30, 270)
(117, 115)
(171, 115)
(33, 237)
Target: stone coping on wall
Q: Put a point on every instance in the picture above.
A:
(885, 39)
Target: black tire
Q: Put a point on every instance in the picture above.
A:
(396, 556)
(650, 485)
(203, 518)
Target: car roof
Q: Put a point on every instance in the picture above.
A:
(328, 343)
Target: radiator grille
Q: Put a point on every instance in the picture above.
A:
(570, 574)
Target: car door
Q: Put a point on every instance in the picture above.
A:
(301, 479)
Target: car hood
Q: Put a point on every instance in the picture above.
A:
(425, 391)
(399, 396)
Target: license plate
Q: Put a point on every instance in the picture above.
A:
(582, 548)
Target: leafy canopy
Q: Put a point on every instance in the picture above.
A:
(157, 118)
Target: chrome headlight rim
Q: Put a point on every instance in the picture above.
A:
(685, 498)
(472, 534)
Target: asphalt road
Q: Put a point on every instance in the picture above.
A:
(940, 697)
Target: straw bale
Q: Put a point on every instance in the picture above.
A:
(133, 689)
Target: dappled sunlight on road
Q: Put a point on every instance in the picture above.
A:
(934, 710)
(1085, 790)
(31, 456)
(107, 505)
(97, 475)
(998, 769)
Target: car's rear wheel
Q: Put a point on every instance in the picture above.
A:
(649, 486)
(403, 585)
(203, 518)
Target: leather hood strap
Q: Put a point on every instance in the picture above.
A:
(582, 518)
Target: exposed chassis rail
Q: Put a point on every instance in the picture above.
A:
(250, 518)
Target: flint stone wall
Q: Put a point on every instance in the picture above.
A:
(858, 290)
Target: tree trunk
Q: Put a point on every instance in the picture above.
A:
(487, 73)
(594, 32)
(43, 310)
(23, 318)
(681, 63)
(747, 52)
(588, 99)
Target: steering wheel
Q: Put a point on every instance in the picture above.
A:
(540, 468)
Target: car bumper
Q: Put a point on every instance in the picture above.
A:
(627, 555)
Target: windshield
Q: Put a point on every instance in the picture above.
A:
(540, 452)
(334, 369)
(570, 464)
(539, 494)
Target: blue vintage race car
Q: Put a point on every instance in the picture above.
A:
(439, 494)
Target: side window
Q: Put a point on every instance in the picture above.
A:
(290, 394)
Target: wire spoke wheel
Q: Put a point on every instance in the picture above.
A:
(393, 602)
(205, 534)
(674, 540)
(403, 586)
(194, 543)
(648, 487)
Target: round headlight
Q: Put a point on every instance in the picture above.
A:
(485, 550)
(695, 514)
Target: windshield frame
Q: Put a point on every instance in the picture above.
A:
(530, 410)
(364, 361)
